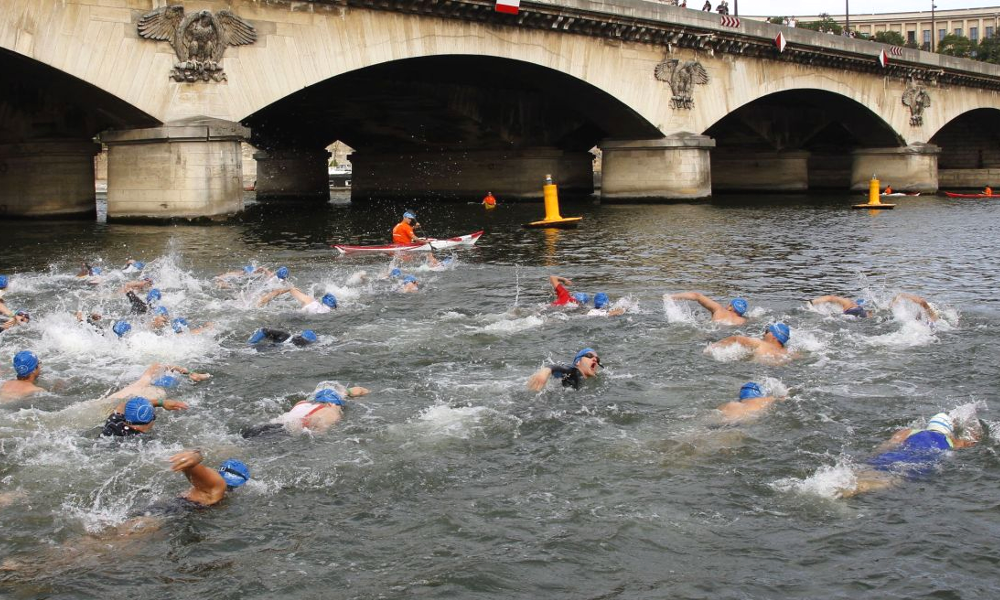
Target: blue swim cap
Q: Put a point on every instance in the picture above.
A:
(4, 280)
(751, 390)
(328, 396)
(409, 279)
(859, 301)
(234, 472)
(410, 215)
(257, 337)
(179, 324)
(281, 273)
(601, 300)
(581, 297)
(856, 311)
(739, 305)
(309, 335)
(329, 300)
(161, 310)
(395, 273)
(140, 411)
(248, 269)
(581, 354)
(95, 270)
(153, 294)
(121, 328)
(780, 331)
(139, 265)
(25, 362)
(167, 381)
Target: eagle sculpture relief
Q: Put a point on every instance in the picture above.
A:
(199, 39)
(682, 80)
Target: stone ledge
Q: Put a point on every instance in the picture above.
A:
(195, 129)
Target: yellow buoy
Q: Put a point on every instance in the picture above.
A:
(552, 217)
(874, 202)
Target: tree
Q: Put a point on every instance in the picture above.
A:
(777, 20)
(988, 50)
(825, 23)
(893, 38)
(956, 45)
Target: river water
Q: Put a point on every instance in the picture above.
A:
(451, 479)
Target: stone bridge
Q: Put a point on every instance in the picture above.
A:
(451, 98)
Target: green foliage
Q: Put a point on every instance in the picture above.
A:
(825, 23)
(777, 20)
(988, 50)
(956, 45)
(893, 38)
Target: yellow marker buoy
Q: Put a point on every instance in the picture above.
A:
(552, 216)
(874, 202)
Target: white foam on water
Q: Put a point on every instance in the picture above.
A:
(911, 333)
(728, 352)
(829, 481)
(678, 312)
(442, 421)
(508, 326)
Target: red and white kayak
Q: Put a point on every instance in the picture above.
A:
(957, 195)
(431, 244)
(884, 195)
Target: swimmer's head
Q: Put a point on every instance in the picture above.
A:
(179, 324)
(121, 328)
(248, 269)
(751, 390)
(739, 306)
(281, 273)
(601, 300)
(305, 338)
(409, 279)
(257, 337)
(95, 270)
(167, 381)
(139, 411)
(582, 353)
(857, 311)
(234, 472)
(25, 363)
(942, 423)
(161, 311)
(139, 265)
(780, 331)
(581, 297)
(395, 273)
(329, 300)
(329, 396)
(4, 280)
(153, 295)
(410, 215)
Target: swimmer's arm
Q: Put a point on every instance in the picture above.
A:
(4, 310)
(742, 340)
(208, 487)
(897, 438)
(134, 285)
(172, 404)
(707, 303)
(555, 280)
(922, 303)
(195, 377)
(266, 298)
(843, 302)
(614, 312)
(8, 324)
(203, 328)
(356, 391)
(538, 380)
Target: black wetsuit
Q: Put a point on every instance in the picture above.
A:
(570, 376)
(116, 426)
(276, 336)
(138, 306)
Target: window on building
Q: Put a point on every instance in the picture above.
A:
(958, 31)
(941, 34)
(974, 34)
(911, 37)
(927, 39)
(989, 32)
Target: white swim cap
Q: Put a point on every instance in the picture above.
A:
(942, 423)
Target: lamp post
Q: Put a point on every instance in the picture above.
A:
(933, 29)
(847, 15)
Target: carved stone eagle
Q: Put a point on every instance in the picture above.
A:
(199, 39)
(917, 98)
(682, 80)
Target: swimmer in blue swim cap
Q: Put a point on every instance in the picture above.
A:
(316, 414)
(753, 400)
(409, 285)
(28, 369)
(307, 303)
(120, 328)
(852, 308)
(136, 416)
(208, 486)
(731, 314)
(155, 382)
(4, 280)
(276, 336)
(585, 365)
(19, 317)
(770, 348)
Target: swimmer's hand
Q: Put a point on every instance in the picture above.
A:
(538, 380)
(175, 405)
(182, 461)
(196, 377)
(354, 392)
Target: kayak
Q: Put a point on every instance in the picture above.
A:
(902, 194)
(957, 195)
(427, 246)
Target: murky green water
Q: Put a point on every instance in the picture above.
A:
(451, 480)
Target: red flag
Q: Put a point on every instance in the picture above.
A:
(779, 41)
(508, 6)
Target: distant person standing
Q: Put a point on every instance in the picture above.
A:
(708, 6)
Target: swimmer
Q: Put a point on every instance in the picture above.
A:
(731, 314)
(276, 336)
(88, 271)
(28, 368)
(316, 415)
(133, 266)
(601, 303)
(850, 307)
(154, 381)
(121, 328)
(4, 281)
(309, 304)
(21, 317)
(585, 365)
(911, 453)
(928, 313)
(402, 233)
(751, 403)
(181, 325)
(409, 285)
(136, 416)
(563, 297)
(93, 319)
(770, 347)
(247, 271)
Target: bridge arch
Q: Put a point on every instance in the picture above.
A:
(970, 156)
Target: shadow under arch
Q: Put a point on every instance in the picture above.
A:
(815, 131)
(969, 150)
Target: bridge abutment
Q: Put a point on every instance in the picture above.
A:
(673, 167)
(760, 171)
(908, 169)
(188, 169)
(512, 175)
(293, 174)
(48, 179)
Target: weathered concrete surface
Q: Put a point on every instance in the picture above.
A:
(910, 169)
(48, 179)
(298, 174)
(185, 170)
(673, 167)
(770, 171)
(952, 179)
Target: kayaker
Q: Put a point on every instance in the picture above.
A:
(912, 453)
(850, 307)
(770, 347)
(988, 191)
(489, 201)
(888, 190)
(28, 368)
(731, 314)
(309, 304)
(402, 233)
(752, 401)
(585, 365)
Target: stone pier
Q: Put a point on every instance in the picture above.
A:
(907, 169)
(293, 174)
(511, 175)
(673, 167)
(48, 179)
(760, 171)
(186, 169)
